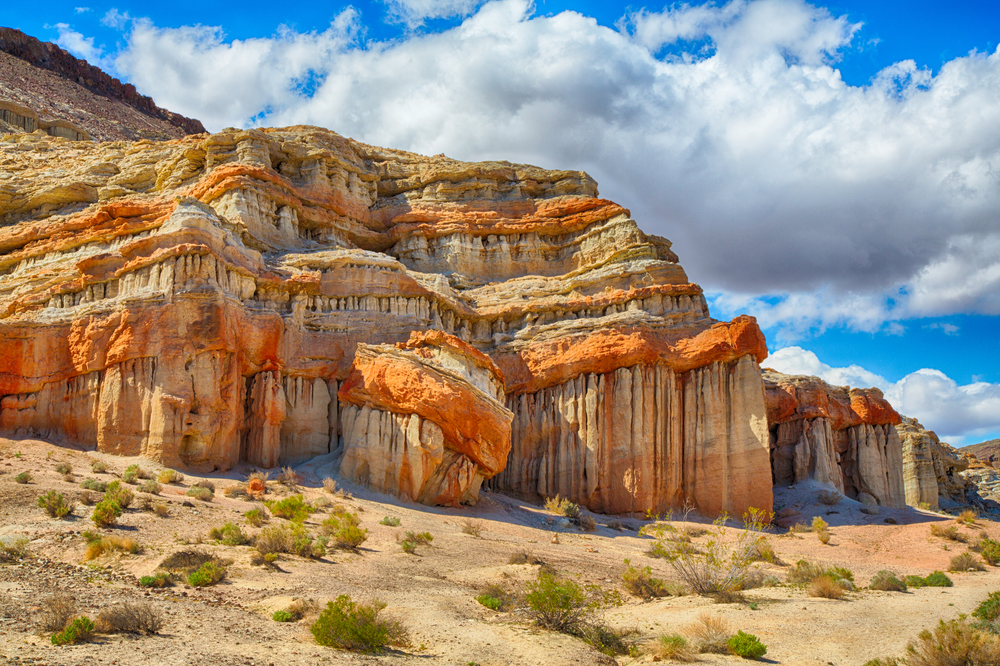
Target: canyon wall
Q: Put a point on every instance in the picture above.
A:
(844, 437)
(266, 296)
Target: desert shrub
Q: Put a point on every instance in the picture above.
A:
(955, 643)
(329, 485)
(710, 634)
(107, 544)
(15, 550)
(292, 508)
(757, 578)
(806, 572)
(257, 517)
(587, 522)
(746, 645)
(282, 616)
(819, 525)
(966, 562)
(106, 512)
(671, 646)
(988, 610)
(720, 565)
(130, 618)
(94, 484)
(208, 573)
(321, 503)
(562, 605)
(823, 536)
(64, 468)
(186, 561)
(87, 498)
(204, 483)
(55, 612)
(258, 475)
(391, 521)
(936, 579)
(990, 551)
(79, 630)
(497, 597)
(343, 528)
(158, 579)
(288, 477)
(763, 551)
(826, 587)
(119, 494)
(229, 534)
(203, 494)
(829, 497)
(524, 557)
(97, 467)
(161, 509)
(493, 603)
(799, 528)
(151, 486)
(968, 516)
(409, 541)
(562, 507)
(131, 474)
(23, 478)
(473, 527)
(55, 504)
(281, 539)
(641, 583)
(169, 476)
(616, 525)
(349, 625)
(886, 581)
(949, 532)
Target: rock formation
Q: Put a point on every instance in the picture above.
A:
(931, 468)
(251, 295)
(44, 88)
(845, 437)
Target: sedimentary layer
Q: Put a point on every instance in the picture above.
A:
(251, 296)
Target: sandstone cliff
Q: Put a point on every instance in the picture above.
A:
(932, 469)
(251, 295)
(845, 437)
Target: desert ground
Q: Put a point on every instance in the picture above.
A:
(433, 591)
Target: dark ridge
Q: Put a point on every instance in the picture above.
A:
(47, 55)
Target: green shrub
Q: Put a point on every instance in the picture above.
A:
(292, 508)
(97, 467)
(209, 573)
(158, 579)
(15, 550)
(257, 517)
(282, 616)
(106, 513)
(348, 625)
(55, 504)
(79, 630)
(203, 494)
(151, 486)
(229, 534)
(120, 494)
(990, 550)
(391, 521)
(131, 475)
(641, 583)
(746, 645)
(673, 647)
(886, 581)
(23, 477)
(281, 539)
(938, 579)
(562, 507)
(169, 476)
(64, 468)
(343, 527)
(988, 610)
(94, 484)
(411, 540)
(492, 603)
(954, 643)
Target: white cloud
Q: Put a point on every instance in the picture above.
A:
(116, 19)
(846, 205)
(82, 10)
(414, 12)
(82, 47)
(958, 414)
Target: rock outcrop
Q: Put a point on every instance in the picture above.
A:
(42, 87)
(251, 296)
(932, 469)
(845, 437)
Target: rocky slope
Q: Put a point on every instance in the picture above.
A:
(988, 451)
(251, 295)
(43, 87)
(841, 436)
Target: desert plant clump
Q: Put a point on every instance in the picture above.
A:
(586, 522)
(119, 494)
(79, 630)
(349, 625)
(829, 497)
(720, 565)
(106, 513)
(55, 612)
(709, 634)
(823, 536)
(949, 532)
(988, 610)
(966, 562)
(497, 597)
(15, 550)
(826, 587)
(819, 525)
(641, 582)
(292, 508)
(282, 539)
(64, 468)
(410, 540)
(746, 645)
(161, 509)
(287, 477)
(168, 476)
(330, 486)
(282, 616)
(98, 545)
(129, 618)
(23, 478)
(886, 581)
(203, 494)
(562, 605)
(87, 498)
(151, 486)
(990, 551)
(806, 572)
(936, 579)
(97, 467)
(55, 504)
(562, 507)
(257, 517)
(229, 534)
(343, 528)
(94, 484)
(472, 527)
(158, 579)
(957, 643)
(131, 474)
(673, 647)
(967, 517)
(207, 574)
(391, 521)
(763, 551)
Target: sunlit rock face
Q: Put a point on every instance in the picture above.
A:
(272, 295)
(841, 436)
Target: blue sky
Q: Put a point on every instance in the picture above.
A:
(831, 169)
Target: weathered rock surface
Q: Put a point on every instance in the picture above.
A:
(251, 296)
(932, 469)
(42, 87)
(845, 437)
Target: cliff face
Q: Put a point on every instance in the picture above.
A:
(845, 437)
(250, 296)
(932, 469)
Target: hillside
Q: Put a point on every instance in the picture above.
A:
(988, 450)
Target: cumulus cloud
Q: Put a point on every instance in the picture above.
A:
(958, 414)
(82, 47)
(414, 12)
(116, 19)
(726, 128)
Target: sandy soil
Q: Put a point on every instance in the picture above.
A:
(433, 592)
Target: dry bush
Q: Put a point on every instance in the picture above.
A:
(763, 551)
(109, 544)
(758, 578)
(129, 618)
(236, 491)
(287, 477)
(955, 643)
(819, 525)
(949, 532)
(671, 646)
(87, 498)
(641, 583)
(258, 476)
(694, 532)
(151, 486)
(887, 581)
(56, 612)
(562, 507)
(257, 517)
(330, 486)
(616, 525)
(587, 522)
(498, 597)
(56, 505)
(169, 476)
(709, 634)
(473, 527)
(185, 561)
(161, 509)
(823, 536)
(966, 562)
(64, 468)
(829, 497)
(799, 528)
(524, 557)
(826, 587)
(15, 550)
(204, 483)
(967, 517)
